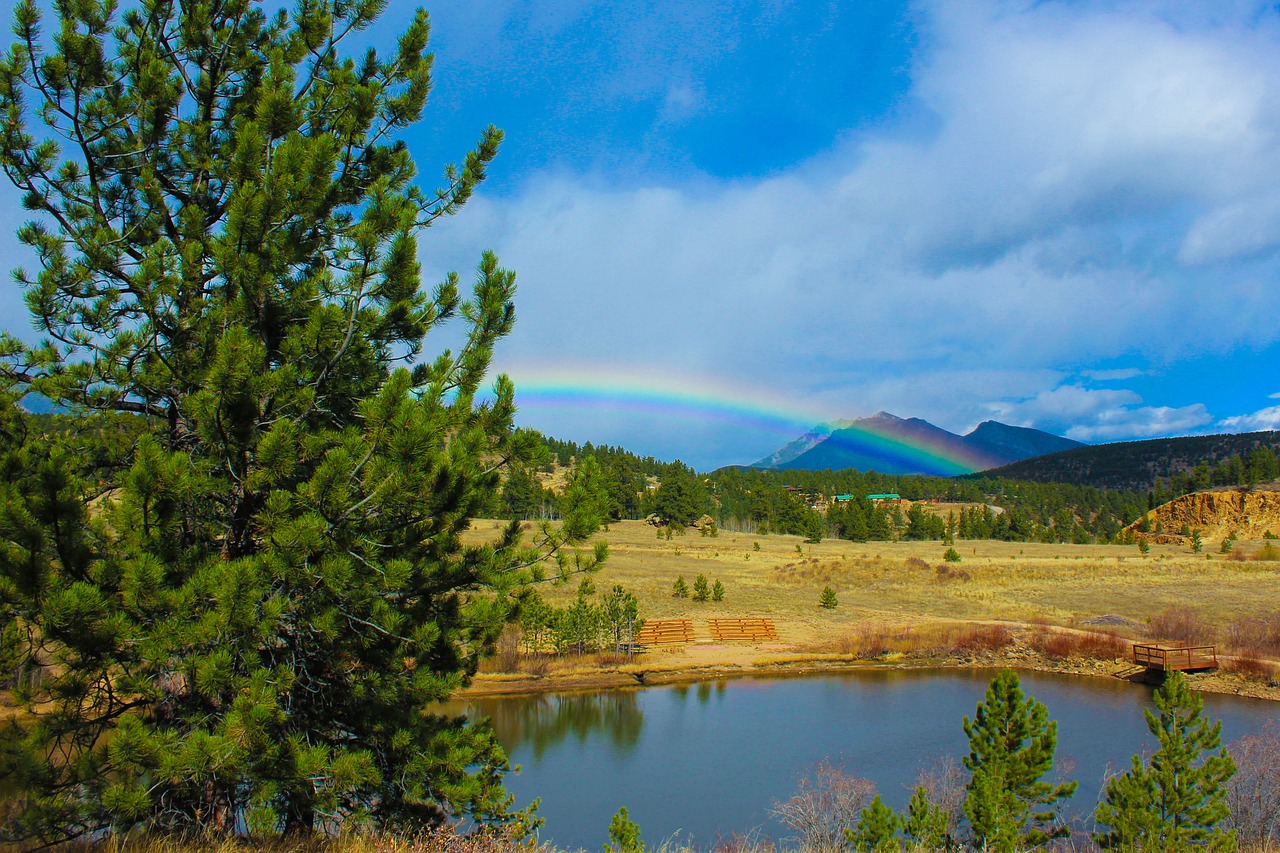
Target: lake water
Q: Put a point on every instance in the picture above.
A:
(710, 759)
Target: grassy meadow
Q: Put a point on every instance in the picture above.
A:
(907, 595)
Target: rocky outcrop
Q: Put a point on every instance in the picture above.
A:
(1244, 514)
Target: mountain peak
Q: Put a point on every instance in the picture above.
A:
(991, 443)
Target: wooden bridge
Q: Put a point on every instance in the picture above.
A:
(1174, 656)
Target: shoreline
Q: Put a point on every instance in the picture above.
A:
(774, 665)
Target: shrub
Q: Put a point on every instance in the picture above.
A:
(1103, 645)
(1256, 632)
(951, 556)
(1057, 646)
(916, 563)
(1253, 794)
(1250, 664)
(825, 804)
(1180, 624)
(985, 638)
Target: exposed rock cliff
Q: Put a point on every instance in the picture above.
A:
(1246, 514)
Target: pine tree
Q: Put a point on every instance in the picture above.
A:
(624, 833)
(1011, 746)
(828, 598)
(619, 612)
(925, 825)
(1177, 800)
(877, 828)
(246, 630)
(701, 589)
(680, 589)
(581, 620)
(717, 591)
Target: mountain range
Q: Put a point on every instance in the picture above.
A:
(893, 445)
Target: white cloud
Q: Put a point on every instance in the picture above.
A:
(1092, 415)
(1116, 375)
(1142, 422)
(1075, 150)
(1263, 419)
(1067, 404)
(1052, 116)
(682, 101)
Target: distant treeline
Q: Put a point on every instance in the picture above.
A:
(1259, 465)
(767, 501)
(1166, 467)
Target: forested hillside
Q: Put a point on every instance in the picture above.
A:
(1168, 466)
(805, 502)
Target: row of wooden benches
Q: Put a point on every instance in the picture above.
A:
(659, 631)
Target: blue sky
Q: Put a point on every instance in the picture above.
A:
(1059, 215)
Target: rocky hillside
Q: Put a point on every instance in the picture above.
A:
(1244, 513)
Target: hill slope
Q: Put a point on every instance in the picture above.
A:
(1135, 465)
(789, 451)
(891, 445)
(1013, 443)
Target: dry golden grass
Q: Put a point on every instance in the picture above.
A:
(907, 583)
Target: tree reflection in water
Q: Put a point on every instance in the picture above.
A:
(544, 721)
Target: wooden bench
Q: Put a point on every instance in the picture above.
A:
(656, 632)
(1174, 656)
(752, 630)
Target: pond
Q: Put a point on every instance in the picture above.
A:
(709, 760)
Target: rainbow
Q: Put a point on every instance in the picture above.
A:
(940, 456)
(627, 389)
(740, 406)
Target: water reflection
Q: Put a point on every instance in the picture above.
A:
(539, 723)
(710, 758)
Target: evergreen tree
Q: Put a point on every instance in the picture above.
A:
(624, 833)
(680, 498)
(828, 598)
(1011, 746)
(925, 825)
(581, 620)
(701, 589)
(1177, 800)
(717, 591)
(248, 629)
(680, 589)
(877, 828)
(619, 613)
